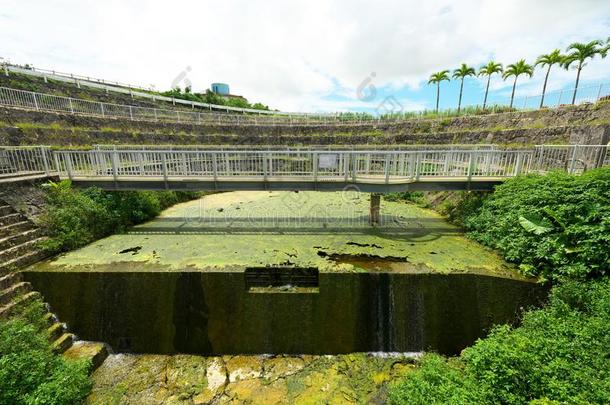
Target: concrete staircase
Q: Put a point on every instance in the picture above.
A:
(19, 239)
(16, 295)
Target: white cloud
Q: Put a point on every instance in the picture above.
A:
(291, 54)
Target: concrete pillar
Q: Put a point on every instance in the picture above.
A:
(374, 210)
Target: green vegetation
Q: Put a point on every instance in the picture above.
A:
(558, 355)
(557, 227)
(212, 98)
(554, 226)
(73, 218)
(30, 373)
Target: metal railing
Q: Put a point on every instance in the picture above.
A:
(585, 94)
(397, 147)
(29, 100)
(117, 87)
(372, 166)
(24, 161)
(50, 103)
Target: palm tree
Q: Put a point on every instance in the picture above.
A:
(488, 70)
(437, 78)
(580, 53)
(548, 60)
(517, 69)
(461, 73)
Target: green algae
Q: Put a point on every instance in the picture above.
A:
(231, 231)
(262, 379)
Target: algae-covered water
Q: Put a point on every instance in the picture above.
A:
(183, 379)
(328, 231)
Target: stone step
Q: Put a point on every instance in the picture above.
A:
(22, 261)
(5, 210)
(56, 330)
(9, 294)
(9, 280)
(96, 352)
(63, 343)
(11, 219)
(12, 229)
(49, 319)
(19, 302)
(19, 238)
(20, 250)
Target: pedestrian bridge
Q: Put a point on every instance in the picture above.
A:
(378, 171)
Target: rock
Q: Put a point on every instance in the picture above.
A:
(244, 368)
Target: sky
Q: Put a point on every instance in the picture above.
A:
(313, 55)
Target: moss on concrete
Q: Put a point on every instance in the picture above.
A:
(346, 379)
(230, 231)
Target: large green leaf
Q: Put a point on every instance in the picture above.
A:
(535, 225)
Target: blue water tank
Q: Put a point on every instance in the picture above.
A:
(221, 88)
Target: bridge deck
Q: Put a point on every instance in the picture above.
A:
(370, 184)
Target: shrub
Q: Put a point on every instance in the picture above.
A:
(30, 373)
(72, 218)
(436, 381)
(555, 226)
(559, 353)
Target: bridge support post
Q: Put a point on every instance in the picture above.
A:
(375, 208)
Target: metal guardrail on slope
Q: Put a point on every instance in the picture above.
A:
(397, 147)
(585, 94)
(34, 101)
(117, 87)
(59, 104)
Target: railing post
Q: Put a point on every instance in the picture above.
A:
(71, 106)
(113, 162)
(346, 165)
(573, 160)
(35, 101)
(354, 163)
(387, 168)
(470, 163)
(519, 163)
(215, 166)
(56, 162)
(417, 165)
(45, 162)
(265, 168)
(68, 157)
(164, 167)
(315, 166)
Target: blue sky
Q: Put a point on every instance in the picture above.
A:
(306, 55)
